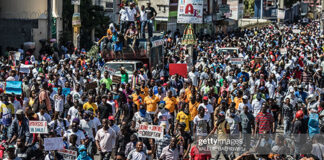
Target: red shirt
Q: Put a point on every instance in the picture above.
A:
(196, 155)
(264, 121)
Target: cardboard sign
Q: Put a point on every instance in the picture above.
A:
(68, 154)
(91, 85)
(25, 68)
(237, 60)
(258, 59)
(38, 127)
(116, 79)
(65, 91)
(296, 30)
(180, 69)
(52, 144)
(150, 131)
(13, 87)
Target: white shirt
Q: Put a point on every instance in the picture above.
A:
(45, 117)
(123, 14)
(17, 105)
(256, 106)
(58, 103)
(106, 139)
(194, 78)
(130, 14)
(88, 127)
(271, 88)
(96, 122)
(143, 16)
(73, 113)
(79, 134)
(241, 105)
(209, 110)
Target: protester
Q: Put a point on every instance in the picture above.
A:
(272, 100)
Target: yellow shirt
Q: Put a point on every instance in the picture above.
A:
(136, 99)
(193, 109)
(170, 103)
(182, 117)
(151, 103)
(145, 90)
(87, 106)
(237, 101)
(31, 102)
(5, 109)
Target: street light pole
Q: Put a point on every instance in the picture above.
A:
(76, 28)
(322, 17)
(49, 18)
(261, 14)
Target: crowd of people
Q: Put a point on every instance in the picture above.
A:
(279, 86)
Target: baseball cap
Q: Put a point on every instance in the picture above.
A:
(19, 112)
(205, 98)
(111, 118)
(222, 113)
(76, 120)
(245, 97)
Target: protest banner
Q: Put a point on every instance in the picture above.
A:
(38, 127)
(188, 36)
(116, 79)
(68, 154)
(296, 30)
(180, 69)
(237, 60)
(258, 59)
(190, 11)
(25, 68)
(13, 87)
(150, 131)
(52, 144)
(65, 91)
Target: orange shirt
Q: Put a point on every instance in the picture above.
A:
(145, 90)
(136, 99)
(151, 103)
(170, 103)
(193, 109)
(220, 99)
(237, 101)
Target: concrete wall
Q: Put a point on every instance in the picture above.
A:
(22, 9)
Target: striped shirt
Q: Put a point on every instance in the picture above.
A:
(264, 121)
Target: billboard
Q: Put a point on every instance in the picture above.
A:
(190, 11)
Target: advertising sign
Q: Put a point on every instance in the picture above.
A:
(190, 11)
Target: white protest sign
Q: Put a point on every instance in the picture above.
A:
(68, 154)
(190, 11)
(25, 68)
(296, 30)
(237, 60)
(150, 131)
(283, 50)
(38, 127)
(52, 144)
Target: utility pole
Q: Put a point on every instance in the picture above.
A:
(281, 6)
(49, 19)
(76, 24)
(322, 17)
(261, 14)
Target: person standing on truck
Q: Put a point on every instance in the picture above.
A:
(107, 81)
(151, 14)
(124, 75)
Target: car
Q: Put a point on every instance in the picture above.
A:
(113, 67)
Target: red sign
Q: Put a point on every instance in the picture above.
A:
(180, 69)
